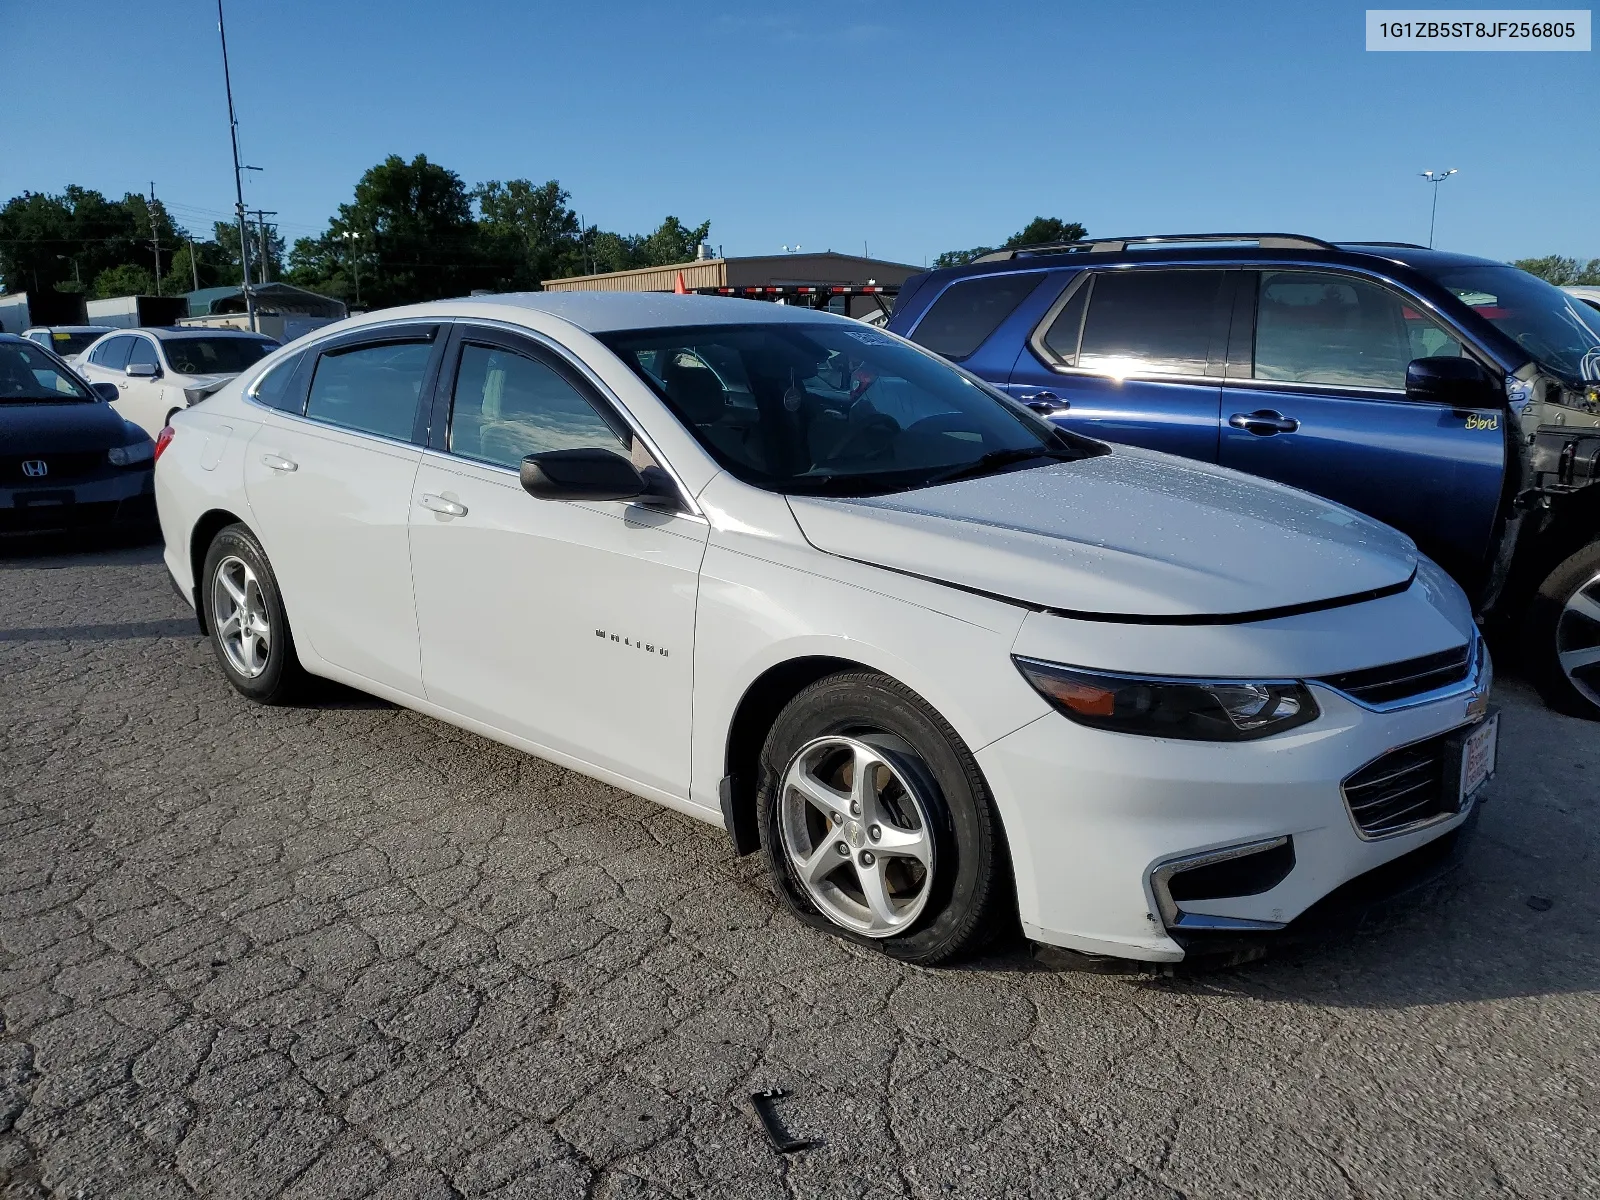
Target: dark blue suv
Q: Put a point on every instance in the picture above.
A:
(1455, 398)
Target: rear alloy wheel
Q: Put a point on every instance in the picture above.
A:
(1564, 634)
(877, 824)
(245, 617)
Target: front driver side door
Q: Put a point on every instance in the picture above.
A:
(567, 624)
(1316, 398)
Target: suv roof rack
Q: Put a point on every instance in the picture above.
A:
(1267, 241)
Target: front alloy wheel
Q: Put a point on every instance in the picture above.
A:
(240, 616)
(858, 834)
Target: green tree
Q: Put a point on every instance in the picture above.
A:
(127, 279)
(1041, 231)
(1562, 272)
(528, 232)
(672, 242)
(414, 234)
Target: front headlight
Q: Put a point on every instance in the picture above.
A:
(1204, 710)
(127, 456)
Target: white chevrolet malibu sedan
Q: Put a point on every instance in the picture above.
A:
(943, 663)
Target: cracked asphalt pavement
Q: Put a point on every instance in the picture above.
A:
(346, 950)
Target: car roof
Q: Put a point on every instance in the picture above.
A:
(599, 312)
(68, 329)
(1233, 250)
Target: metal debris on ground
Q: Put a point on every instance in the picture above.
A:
(766, 1108)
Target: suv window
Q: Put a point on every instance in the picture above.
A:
(372, 389)
(113, 353)
(1315, 327)
(273, 390)
(968, 312)
(1160, 322)
(507, 405)
(143, 350)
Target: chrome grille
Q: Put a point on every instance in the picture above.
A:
(1403, 680)
(1406, 787)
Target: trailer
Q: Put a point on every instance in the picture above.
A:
(131, 312)
(20, 311)
(828, 297)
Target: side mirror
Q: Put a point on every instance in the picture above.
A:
(587, 474)
(141, 370)
(1457, 381)
(105, 392)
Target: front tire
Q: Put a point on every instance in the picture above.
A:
(877, 824)
(1563, 635)
(244, 613)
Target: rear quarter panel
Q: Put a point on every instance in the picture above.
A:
(201, 470)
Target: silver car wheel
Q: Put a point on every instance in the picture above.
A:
(856, 832)
(239, 615)
(1578, 640)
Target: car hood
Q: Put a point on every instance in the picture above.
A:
(1130, 533)
(60, 428)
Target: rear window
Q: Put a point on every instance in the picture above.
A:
(70, 343)
(215, 355)
(968, 312)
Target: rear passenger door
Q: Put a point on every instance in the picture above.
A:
(1136, 354)
(329, 476)
(1315, 397)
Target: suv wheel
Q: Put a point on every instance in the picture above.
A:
(244, 612)
(1564, 635)
(877, 824)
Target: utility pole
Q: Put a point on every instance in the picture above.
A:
(238, 177)
(264, 259)
(155, 236)
(194, 263)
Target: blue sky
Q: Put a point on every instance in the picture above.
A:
(908, 127)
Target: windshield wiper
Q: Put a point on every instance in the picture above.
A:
(998, 459)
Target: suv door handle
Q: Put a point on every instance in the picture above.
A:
(279, 464)
(1264, 422)
(1045, 403)
(439, 504)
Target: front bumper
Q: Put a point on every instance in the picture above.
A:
(113, 500)
(1095, 816)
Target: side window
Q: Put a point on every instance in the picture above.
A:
(273, 388)
(1313, 327)
(113, 354)
(506, 406)
(41, 336)
(143, 351)
(1062, 338)
(371, 389)
(962, 319)
(1162, 322)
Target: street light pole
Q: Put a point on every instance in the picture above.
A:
(355, 260)
(1435, 178)
(238, 178)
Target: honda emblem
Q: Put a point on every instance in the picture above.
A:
(35, 468)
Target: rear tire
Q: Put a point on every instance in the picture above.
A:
(922, 871)
(1562, 635)
(249, 629)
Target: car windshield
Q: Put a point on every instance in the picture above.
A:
(1555, 328)
(29, 375)
(835, 408)
(215, 355)
(69, 342)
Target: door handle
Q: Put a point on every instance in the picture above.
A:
(279, 464)
(1045, 403)
(1264, 422)
(439, 504)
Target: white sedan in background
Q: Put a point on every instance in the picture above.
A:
(945, 664)
(158, 371)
